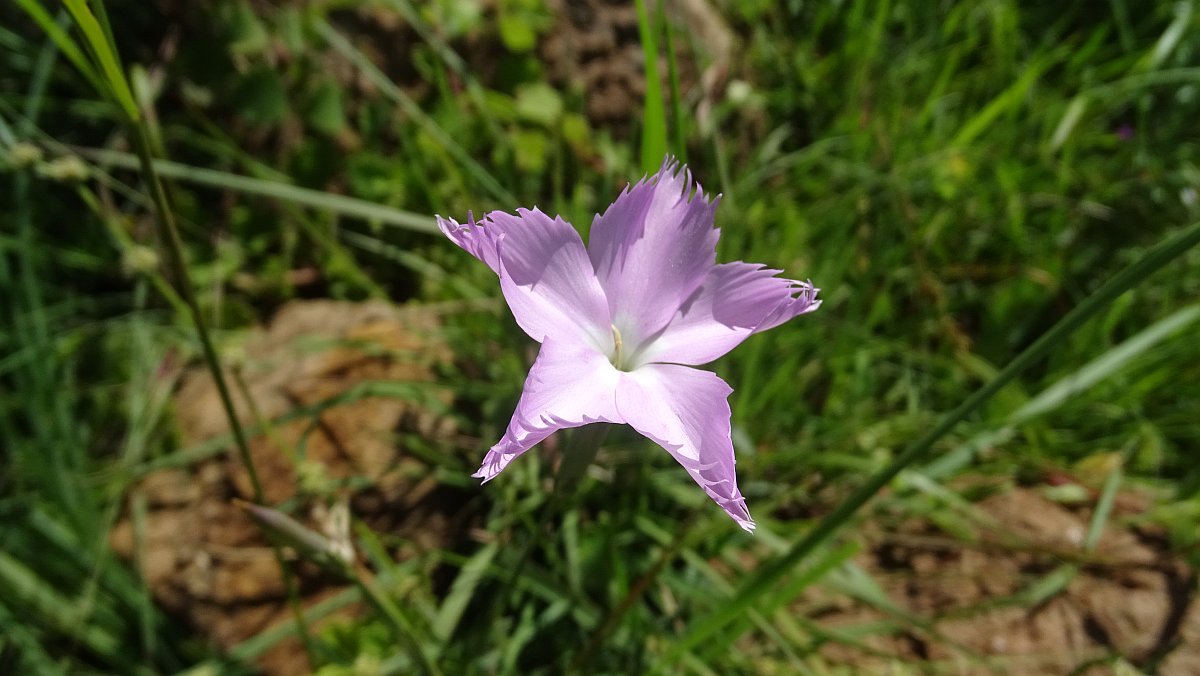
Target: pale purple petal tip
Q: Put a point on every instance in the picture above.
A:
(570, 384)
(495, 461)
(735, 301)
(545, 274)
(801, 300)
(652, 247)
(686, 411)
(474, 238)
(720, 483)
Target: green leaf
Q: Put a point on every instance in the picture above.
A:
(530, 146)
(260, 97)
(326, 112)
(246, 33)
(516, 33)
(539, 103)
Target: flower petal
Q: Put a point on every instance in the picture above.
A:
(570, 384)
(474, 238)
(652, 248)
(734, 301)
(686, 411)
(545, 273)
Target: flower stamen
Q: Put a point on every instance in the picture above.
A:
(617, 345)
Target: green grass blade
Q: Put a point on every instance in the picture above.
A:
(759, 584)
(1104, 506)
(1067, 124)
(256, 645)
(1106, 365)
(415, 642)
(654, 117)
(66, 44)
(1048, 586)
(1170, 38)
(828, 563)
(678, 130)
(20, 587)
(110, 65)
(1007, 101)
(451, 58)
(1066, 388)
(54, 456)
(338, 204)
(461, 592)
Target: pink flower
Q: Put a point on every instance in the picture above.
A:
(622, 322)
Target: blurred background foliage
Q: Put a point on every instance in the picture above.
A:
(955, 176)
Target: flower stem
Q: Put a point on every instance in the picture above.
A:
(581, 450)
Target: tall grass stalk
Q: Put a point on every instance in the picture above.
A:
(105, 53)
(103, 49)
(169, 233)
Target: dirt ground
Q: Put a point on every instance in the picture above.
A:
(204, 559)
(1018, 595)
(595, 48)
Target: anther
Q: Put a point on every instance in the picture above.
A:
(617, 349)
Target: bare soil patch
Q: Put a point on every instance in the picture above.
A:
(988, 602)
(203, 558)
